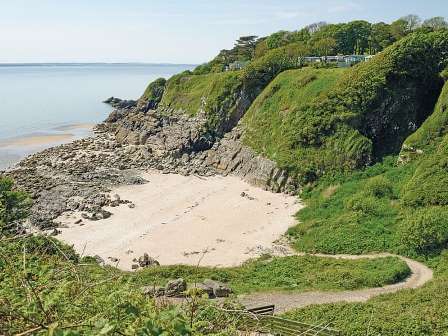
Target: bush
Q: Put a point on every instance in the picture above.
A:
(429, 184)
(364, 204)
(14, 205)
(425, 231)
(379, 186)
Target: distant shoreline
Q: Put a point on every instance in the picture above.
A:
(93, 63)
(64, 133)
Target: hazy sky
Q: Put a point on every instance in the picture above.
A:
(177, 31)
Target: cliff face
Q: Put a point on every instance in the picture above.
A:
(300, 125)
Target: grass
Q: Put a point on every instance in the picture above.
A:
(265, 122)
(44, 284)
(409, 312)
(348, 127)
(191, 93)
(290, 273)
(359, 216)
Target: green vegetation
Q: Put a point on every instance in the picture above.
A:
(354, 214)
(154, 92)
(266, 122)
(321, 38)
(224, 97)
(433, 128)
(409, 312)
(402, 208)
(46, 288)
(13, 206)
(290, 273)
(212, 93)
(344, 129)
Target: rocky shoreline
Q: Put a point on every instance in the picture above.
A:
(80, 175)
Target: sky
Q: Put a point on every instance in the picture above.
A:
(170, 31)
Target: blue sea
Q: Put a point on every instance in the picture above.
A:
(48, 99)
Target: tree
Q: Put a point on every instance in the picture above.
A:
(398, 29)
(436, 23)
(278, 39)
(380, 37)
(245, 47)
(412, 22)
(325, 46)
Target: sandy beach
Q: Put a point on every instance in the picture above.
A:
(181, 219)
(13, 149)
(36, 140)
(64, 134)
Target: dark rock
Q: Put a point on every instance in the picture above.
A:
(153, 291)
(147, 261)
(219, 289)
(176, 288)
(98, 259)
(205, 289)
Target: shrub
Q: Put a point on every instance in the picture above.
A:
(365, 204)
(379, 186)
(429, 184)
(14, 205)
(424, 231)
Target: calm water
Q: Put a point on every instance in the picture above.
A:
(39, 99)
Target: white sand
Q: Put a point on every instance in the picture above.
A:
(176, 218)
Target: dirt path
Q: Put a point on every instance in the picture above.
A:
(285, 301)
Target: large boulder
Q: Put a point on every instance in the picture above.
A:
(176, 288)
(219, 289)
(146, 261)
(153, 291)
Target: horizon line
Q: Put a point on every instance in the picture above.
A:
(92, 63)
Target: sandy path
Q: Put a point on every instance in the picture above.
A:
(176, 218)
(285, 301)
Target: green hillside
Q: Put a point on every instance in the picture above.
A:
(396, 207)
(370, 112)
(367, 146)
(266, 124)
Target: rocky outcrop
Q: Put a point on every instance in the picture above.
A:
(120, 103)
(230, 156)
(163, 132)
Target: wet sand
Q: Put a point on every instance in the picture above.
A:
(12, 150)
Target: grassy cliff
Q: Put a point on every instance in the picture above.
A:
(266, 123)
(397, 207)
(368, 114)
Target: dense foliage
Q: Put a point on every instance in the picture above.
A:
(13, 206)
(224, 97)
(367, 114)
(401, 208)
(322, 39)
(266, 123)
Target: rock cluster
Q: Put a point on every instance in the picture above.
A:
(178, 288)
(145, 261)
(80, 175)
(120, 103)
